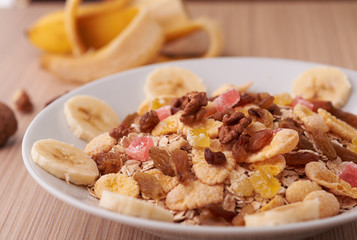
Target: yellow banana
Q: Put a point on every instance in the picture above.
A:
(139, 42)
(49, 34)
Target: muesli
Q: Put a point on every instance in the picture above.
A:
(239, 158)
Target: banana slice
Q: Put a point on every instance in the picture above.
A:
(65, 161)
(133, 207)
(172, 81)
(89, 116)
(295, 212)
(322, 83)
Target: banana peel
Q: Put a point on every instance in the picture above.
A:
(49, 34)
(136, 45)
(114, 39)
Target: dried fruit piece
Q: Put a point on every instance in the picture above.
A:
(238, 150)
(180, 160)
(214, 158)
(300, 158)
(260, 139)
(349, 174)
(108, 162)
(198, 138)
(148, 121)
(277, 201)
(283, 99)
(261, 115)
(208, 173)
(161, 161)
(284, 141)
(298, 190)
(218, 211)
(227, 100)
(323, 144)
(166, 181)
(240, 185)
(345, 154)
(329, 205)
(139, 148)
(338, 126)
(193, 195)
(302, 101)
(163, 112)
(118, 183)
(264, 183)
(149, 185)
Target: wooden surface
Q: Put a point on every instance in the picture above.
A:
(320, 31)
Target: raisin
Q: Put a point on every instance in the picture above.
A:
(300, 158)
(148, 121)
(218, 211)
(149, 185)
(180, 160)
(108, 162)
(260, 139)
(245, 99)
(214, 158)
(345, 154)
(304, 143)
(323, 144)
(161, 161)
(238, 150)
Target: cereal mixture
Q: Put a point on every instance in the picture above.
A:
(240, 158)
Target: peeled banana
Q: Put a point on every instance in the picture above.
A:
(89, 116)
(134, 207)
(323, 83)
(65, 161)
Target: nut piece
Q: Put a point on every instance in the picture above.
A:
(193, 111)
(298, 190)
(8, 123)
(22, 101)
(329, 205)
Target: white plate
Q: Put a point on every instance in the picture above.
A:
(124, 92)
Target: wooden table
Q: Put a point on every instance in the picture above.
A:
(320, 31)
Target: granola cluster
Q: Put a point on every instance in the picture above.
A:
(210, 162)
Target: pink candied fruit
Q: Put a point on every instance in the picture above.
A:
(139, 148)
(349, 174)
(163, 112)
(303, 101)
(227, 99)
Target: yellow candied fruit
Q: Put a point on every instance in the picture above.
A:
(198, 138)
(264, 183)
(283, 99)
(156, 104)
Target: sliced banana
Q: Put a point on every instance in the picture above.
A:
(323, 83)
(172, 81)
(89, 116)
(134, 207)
(295, 212)
(65, 161)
